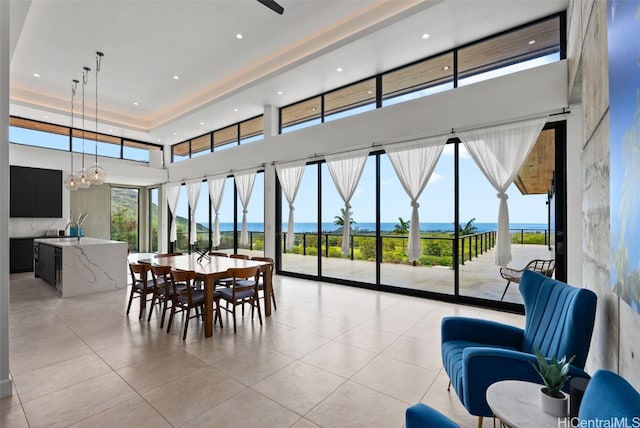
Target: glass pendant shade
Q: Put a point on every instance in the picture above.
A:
(83, 179)
(96, 174)
(71, 183)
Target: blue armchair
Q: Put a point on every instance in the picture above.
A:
(422, 416)
(609, 396)
(477, 353)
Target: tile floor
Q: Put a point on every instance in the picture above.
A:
(330, 356)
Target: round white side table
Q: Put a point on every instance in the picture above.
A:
(516, 404)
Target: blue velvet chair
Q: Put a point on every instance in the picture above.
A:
(609, 396)
(477, 353)
(422, 416)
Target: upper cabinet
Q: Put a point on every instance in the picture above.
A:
(35, 192)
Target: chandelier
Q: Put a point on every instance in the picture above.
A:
(95, 174)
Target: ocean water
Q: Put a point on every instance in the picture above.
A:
(385, 227)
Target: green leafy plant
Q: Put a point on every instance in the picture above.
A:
(554, 373)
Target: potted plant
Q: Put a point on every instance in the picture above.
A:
(554, 374)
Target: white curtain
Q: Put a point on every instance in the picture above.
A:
(290, 176)
(244, 185)
(216, 190)
(193, 193)
(414, 163)
(499, 152)
(172, 190)
(346, 170)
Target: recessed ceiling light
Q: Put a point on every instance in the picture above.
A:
(445, 68)
(339, 69)
(36, 75)
(176, 77)
(280, 92)
(45, 116)
(201, 123)
(239, 36)
(532, 42)
(158, 140)
(369, 92)
(109, 130)
(135, 103)
(175, 133)
(425, 36)
(235, 109)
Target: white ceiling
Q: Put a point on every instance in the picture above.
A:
(147, 42)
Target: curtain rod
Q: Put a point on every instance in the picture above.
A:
(257, 168)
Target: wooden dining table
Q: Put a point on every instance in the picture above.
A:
(209, 271)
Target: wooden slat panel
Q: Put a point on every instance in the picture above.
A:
(38, 126)
(91, 136)
(418, 76)
(180, 149)
(201, 144)
(301, 112)
(353, 96)
(140, 145)
(534, 177)
(252, 127)
(510, 48)
(226, 135)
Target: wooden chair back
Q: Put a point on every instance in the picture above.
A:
(186, 277)
(239, 256)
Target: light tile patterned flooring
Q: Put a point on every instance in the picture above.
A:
(330, 356)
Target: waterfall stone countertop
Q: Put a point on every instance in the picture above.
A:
(85, 266)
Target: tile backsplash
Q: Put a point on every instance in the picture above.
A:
(27, 227)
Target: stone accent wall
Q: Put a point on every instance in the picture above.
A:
(616, 337)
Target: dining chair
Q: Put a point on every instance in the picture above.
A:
(162, 290)
(239, 256)
(185, 297)
(218, 254)
(167, 255)
(243, 289)
(226, 282)
(267, 271)
(141, 285)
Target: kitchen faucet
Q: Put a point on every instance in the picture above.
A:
(77, 228)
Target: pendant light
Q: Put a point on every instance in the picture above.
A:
(96, 173)
(83, 178)
(71, 183)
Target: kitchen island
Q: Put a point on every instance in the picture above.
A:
(81, 266)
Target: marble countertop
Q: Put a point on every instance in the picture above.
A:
(73, 241)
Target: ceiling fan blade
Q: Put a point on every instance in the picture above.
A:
(271, 4)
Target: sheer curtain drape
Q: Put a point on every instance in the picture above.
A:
(193, 193)
(346, 170)
(499, 152)
(290, 176)
(172, 191)
(216, 191)
(414, 163)
(244, 185)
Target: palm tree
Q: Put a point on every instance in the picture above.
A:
(468, 228)
(402, 228)
(339, 219)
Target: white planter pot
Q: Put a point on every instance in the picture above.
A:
(554, 406)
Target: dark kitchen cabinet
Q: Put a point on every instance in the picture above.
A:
(21, 255)
(35, 192)
(48, 263)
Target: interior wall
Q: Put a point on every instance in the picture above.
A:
(616, 337)
(96, 202)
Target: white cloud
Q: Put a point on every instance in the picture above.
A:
(462, 151)
(388, 182)
(435, 177)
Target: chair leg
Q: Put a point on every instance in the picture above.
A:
(153, 302)
(130, 298)
(273, 299)
(186, 323)
(164, 312)
(143, 303)
(173, 312)
(257, 303)
(505, 290)
(479, 421)
(234, 318)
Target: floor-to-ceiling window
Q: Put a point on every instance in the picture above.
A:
(255, 219)
(181, 219)
(124, 216)
(458, 212)
(154, 218)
